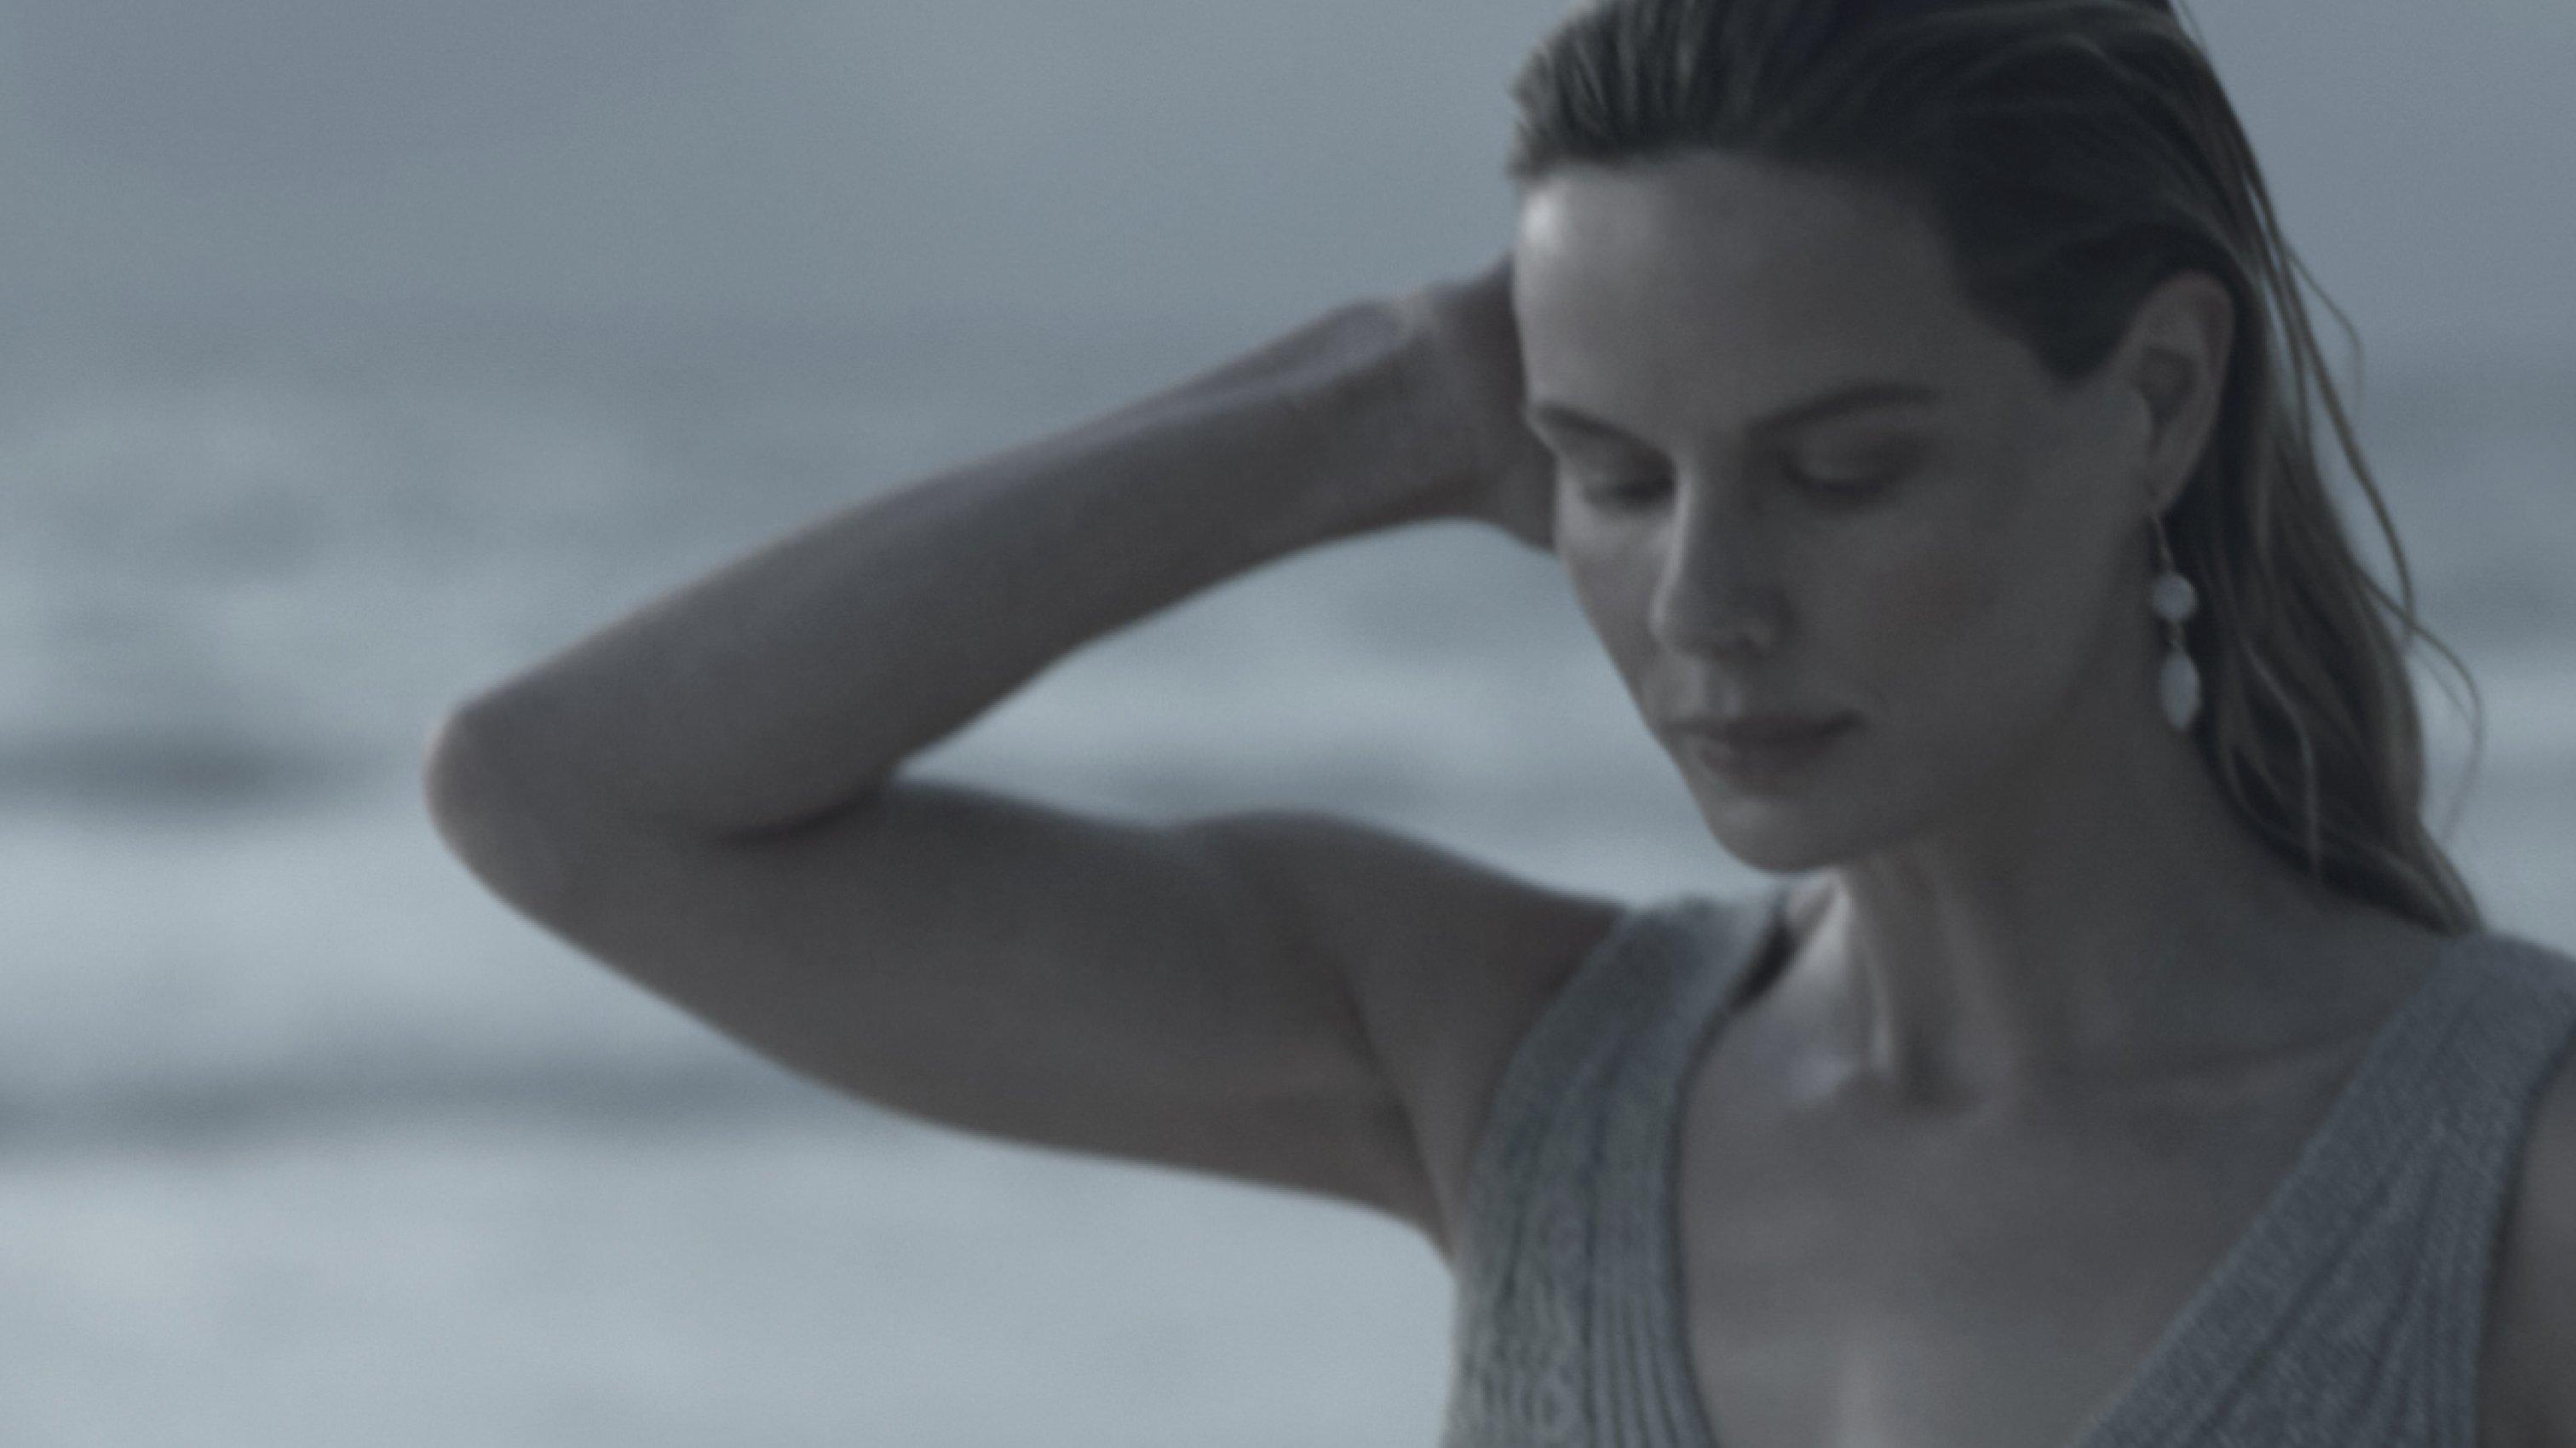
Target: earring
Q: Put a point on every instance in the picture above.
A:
(2174, 600)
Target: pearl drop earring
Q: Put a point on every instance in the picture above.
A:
(2174, 600)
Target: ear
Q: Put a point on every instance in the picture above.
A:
(2174, 365)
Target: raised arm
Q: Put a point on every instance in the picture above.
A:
(705, 796)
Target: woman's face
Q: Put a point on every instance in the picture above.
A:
(1827, 488)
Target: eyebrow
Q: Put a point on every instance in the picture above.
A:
(1852, 398)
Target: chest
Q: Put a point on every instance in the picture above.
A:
(1854, 1281)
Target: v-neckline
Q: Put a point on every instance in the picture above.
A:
(2195, 1347)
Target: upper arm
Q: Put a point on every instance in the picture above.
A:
(1221, 995)
(2532, 1327)
(1450, 962)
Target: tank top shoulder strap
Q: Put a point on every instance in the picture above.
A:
(2353, 1311)
(2515, 1034)
(1650, 982)
(1553, 1257)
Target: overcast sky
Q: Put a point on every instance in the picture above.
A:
(1240, 162)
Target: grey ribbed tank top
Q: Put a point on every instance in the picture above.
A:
(2350, 1314)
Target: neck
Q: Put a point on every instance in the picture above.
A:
(2100, 921)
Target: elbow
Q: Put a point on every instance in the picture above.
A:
(459, 778)
(482, 813)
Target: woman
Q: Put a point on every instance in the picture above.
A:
(1918, 397)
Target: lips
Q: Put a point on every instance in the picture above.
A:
(1767, 754)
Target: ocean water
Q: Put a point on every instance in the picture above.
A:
(304, 1137)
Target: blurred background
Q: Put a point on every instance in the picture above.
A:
(355, 353)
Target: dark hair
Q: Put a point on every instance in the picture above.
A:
(2073, 154)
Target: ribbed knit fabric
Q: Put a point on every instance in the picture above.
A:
(2349, 1314)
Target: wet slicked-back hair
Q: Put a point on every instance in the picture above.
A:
(2073, 154)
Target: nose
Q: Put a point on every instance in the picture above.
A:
(1718, 591)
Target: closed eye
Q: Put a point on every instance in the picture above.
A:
(1850, 476)
(1859, 481)
(1853, 476)
(1621, 489)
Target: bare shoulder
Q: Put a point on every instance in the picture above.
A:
(2532, 1326)
(1451, 960)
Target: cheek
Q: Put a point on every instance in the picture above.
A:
(1928, 591)
(1933, 603)
(1612, 577)
(1948, 611)
(1993, 615)
(1601, 583)
(1966, 570)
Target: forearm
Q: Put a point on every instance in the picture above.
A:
(796, 679)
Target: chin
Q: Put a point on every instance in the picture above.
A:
(1777, 836)
(1778, 861)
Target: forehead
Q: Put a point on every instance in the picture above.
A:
(1708, 286)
